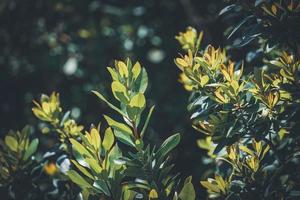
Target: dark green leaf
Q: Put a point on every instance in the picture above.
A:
(168, 145)
(31, 149)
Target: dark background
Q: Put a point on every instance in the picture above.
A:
(37, 38)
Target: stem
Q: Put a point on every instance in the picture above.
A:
(135, 131)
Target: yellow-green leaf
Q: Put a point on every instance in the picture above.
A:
(181, 63)
(118, 126)
(210, 186)
(136, 70)
(96, 139)
(82, 169)
(122, 69)
(188, 190)
(11, 142)
(119, 91)
(138, 101)
(113, 73)
(80, 148)
(221, 183)
(153, 194)
(204, 80)
(76, 178)
(94, 165)
(246, 149)
(108, 140)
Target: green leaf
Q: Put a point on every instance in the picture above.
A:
(119, 91)
(118, 126)
(108, 103)
(136, 106)
(80, 148)
(133, 113)
(94, 165)
(128, 194)
(96, 139)
(138, 101)
(258, 74)
(239, 25)
(147, 121)
(76, 178)
(102, 186)
(226, 9)
(113, 73)
(141, 83)
(11, 142)
(80, 159)
(128, 63)
(124, 138)
(82, 169)
(188, 190)
(136, 172)
(108, 140)
(131, 185)
(168, 145)
(85, 194)
(31, 148)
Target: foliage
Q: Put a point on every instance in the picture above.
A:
(49, 110)
(16, 160)
(65, 46)
(265, 19)
(244, 100)
(101, 167)
(236, 111)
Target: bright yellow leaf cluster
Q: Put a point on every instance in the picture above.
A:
(48, 109)
(71, 128)
(96, 155)
(209, 70)
(266, 91)
(267, 87)
(288, 66)
(189, 40)
(244, 159)
(244, 162)
(216, 187)
(128, 86)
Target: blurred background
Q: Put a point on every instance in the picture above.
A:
(66, 45)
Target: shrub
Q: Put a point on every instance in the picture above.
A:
(249, 120)
(116, 163)
(248, 116)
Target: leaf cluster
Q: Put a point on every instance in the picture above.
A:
(248, 120)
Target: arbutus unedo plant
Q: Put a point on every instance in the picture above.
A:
(102, 167)
(248, 120)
